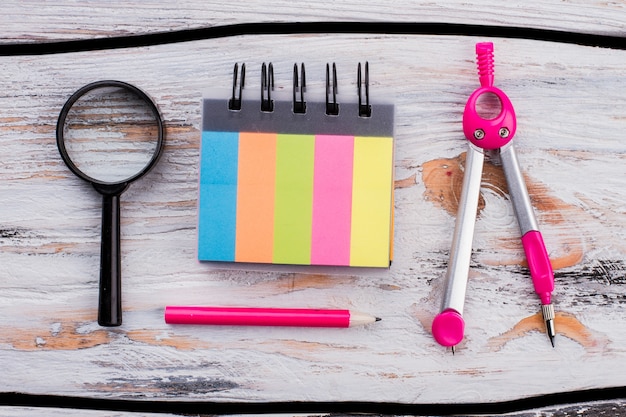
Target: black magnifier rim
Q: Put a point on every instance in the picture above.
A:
(101, 84)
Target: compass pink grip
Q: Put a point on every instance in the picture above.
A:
(484, 58)
(448, 328)
(539, 264)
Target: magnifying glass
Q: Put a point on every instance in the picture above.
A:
(110, 133)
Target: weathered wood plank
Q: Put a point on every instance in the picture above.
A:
(40, 20)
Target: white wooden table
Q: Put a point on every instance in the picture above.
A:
(571, 106)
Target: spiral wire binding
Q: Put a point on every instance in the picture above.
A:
(332, 107)
(365, 110)
(235, 101)
(299, 88)
(299, 105)
(267, 84)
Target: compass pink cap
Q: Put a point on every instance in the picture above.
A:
(448, 328)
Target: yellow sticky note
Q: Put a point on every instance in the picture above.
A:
(371, 197)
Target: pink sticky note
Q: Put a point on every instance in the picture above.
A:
(332, 200)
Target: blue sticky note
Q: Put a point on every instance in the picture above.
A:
(218, 196)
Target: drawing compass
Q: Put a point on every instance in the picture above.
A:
(493, 137)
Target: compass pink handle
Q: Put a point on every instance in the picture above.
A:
(488, 133)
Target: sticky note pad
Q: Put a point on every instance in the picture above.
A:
(289, 188)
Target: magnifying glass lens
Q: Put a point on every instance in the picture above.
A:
(110, 134)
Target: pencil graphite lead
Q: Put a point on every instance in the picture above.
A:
(547, 311)
(550, 330)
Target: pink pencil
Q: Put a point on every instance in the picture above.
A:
(247, 316)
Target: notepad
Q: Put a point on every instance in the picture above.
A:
(301, 189)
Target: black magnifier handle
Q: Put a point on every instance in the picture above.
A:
(110, 293)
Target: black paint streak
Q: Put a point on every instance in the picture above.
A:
(609, 272)
(595, 410)
(597, 282)
(14, 236)
(603, 271)
(11, 233)
(189, 385)
(174, 386)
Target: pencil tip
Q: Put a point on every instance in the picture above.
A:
(452, 347)
(378, 319)
(547, 311)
